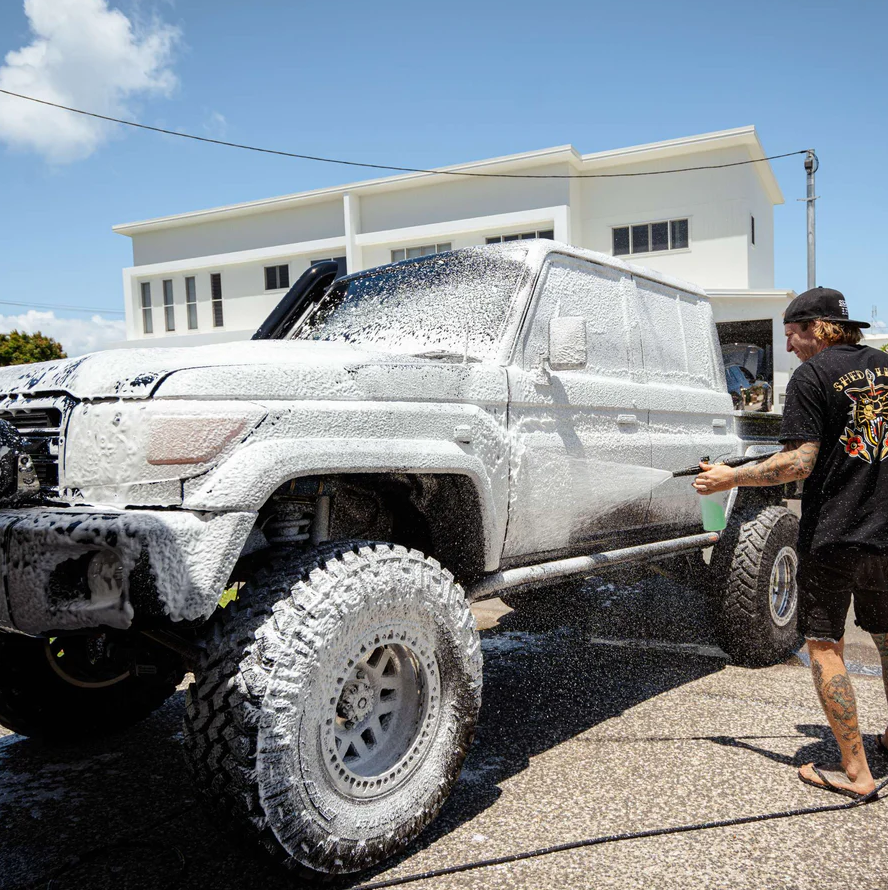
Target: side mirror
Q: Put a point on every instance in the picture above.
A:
(567, 343)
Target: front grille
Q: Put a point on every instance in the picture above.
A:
(40, 430)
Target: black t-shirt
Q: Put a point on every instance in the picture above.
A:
(839, 398)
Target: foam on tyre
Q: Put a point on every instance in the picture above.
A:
(257, 725)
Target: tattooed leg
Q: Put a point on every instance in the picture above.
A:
(881, 641)
(837, 698)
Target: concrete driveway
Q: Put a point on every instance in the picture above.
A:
(608, 711)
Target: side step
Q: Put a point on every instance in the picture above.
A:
(585, 565)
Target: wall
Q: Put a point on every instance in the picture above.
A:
(716, 203)
(308, 222)
(461, 198)
(245, 301)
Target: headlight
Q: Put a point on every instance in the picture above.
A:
(110, 445)
(191, 440)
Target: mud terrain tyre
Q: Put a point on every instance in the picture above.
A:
(754, 595)
(61, 690)
(337, 703)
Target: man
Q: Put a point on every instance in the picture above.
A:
(835, 435)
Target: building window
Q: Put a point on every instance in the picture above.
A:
(191, 303)
(216, 291)
(277, 277)
(752, 229)
(169, 313)
(147, 321)
(549, 234)
(339, 260)
(650, 237)
(409, 253)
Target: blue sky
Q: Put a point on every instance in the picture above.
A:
(415, 85)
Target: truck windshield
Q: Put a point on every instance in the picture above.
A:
(448, 305)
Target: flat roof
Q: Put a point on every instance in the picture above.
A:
(689, 145)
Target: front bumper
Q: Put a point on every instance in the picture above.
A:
(169, 565)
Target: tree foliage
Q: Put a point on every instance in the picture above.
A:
(19, 348)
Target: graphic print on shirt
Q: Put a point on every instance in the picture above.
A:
(867, 430)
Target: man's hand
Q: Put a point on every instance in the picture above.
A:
(795, 462)
(714, 478)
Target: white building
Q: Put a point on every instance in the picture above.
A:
(213, 275)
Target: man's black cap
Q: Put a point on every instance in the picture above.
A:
(820, 302)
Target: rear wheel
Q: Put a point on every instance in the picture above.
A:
(72, 687)
(755, 593)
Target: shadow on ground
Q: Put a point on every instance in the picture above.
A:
(124, 806)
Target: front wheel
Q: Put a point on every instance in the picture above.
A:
(337, 703)
(755, 593)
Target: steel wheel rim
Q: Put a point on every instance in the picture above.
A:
(382, 714)
(783, 589)
(72, 669)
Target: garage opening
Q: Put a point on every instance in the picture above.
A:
(749, 344)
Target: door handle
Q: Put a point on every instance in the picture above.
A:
(627, 419)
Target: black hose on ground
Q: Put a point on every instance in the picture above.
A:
(612, 838)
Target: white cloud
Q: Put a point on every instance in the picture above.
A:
(88, 56)
(77, 335)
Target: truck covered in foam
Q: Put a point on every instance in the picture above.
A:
(302, 520)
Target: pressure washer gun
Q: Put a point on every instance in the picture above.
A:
(730, 462)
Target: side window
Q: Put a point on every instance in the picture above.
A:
(676, 336)
(574, 287)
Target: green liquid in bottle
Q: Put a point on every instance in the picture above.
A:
(713, 513)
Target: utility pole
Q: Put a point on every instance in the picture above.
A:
(811, 166)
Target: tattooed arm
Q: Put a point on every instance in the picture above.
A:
(795, 462)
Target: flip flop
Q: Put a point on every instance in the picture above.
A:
(838, 775)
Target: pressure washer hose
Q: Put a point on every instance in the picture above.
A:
(623, 836)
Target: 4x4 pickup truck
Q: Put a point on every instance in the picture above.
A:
(391, 446)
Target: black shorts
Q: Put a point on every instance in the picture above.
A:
(827, 580)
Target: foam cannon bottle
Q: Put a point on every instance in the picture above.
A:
(712, 505)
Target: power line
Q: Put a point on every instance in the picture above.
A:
(62, 308)
(290, 154)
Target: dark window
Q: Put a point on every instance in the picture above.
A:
(679, 231)
(621, 241)
(191, 303)
(147, 321)
(169, 313)
(277, 277)
(752, 228)
(650, 237)
(216, 291)
(548, 234)
(641, 239)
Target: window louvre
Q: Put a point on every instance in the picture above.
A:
(216, 292)
(169, 312)
(548, 234)
(191, 303)
(147, 321)
(277, 277)
(410, 253)
(339, 260)
(650, 237)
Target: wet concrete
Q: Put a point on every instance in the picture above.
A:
(607, 709)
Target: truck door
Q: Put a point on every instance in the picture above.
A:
(580, 448)
(685, 394)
